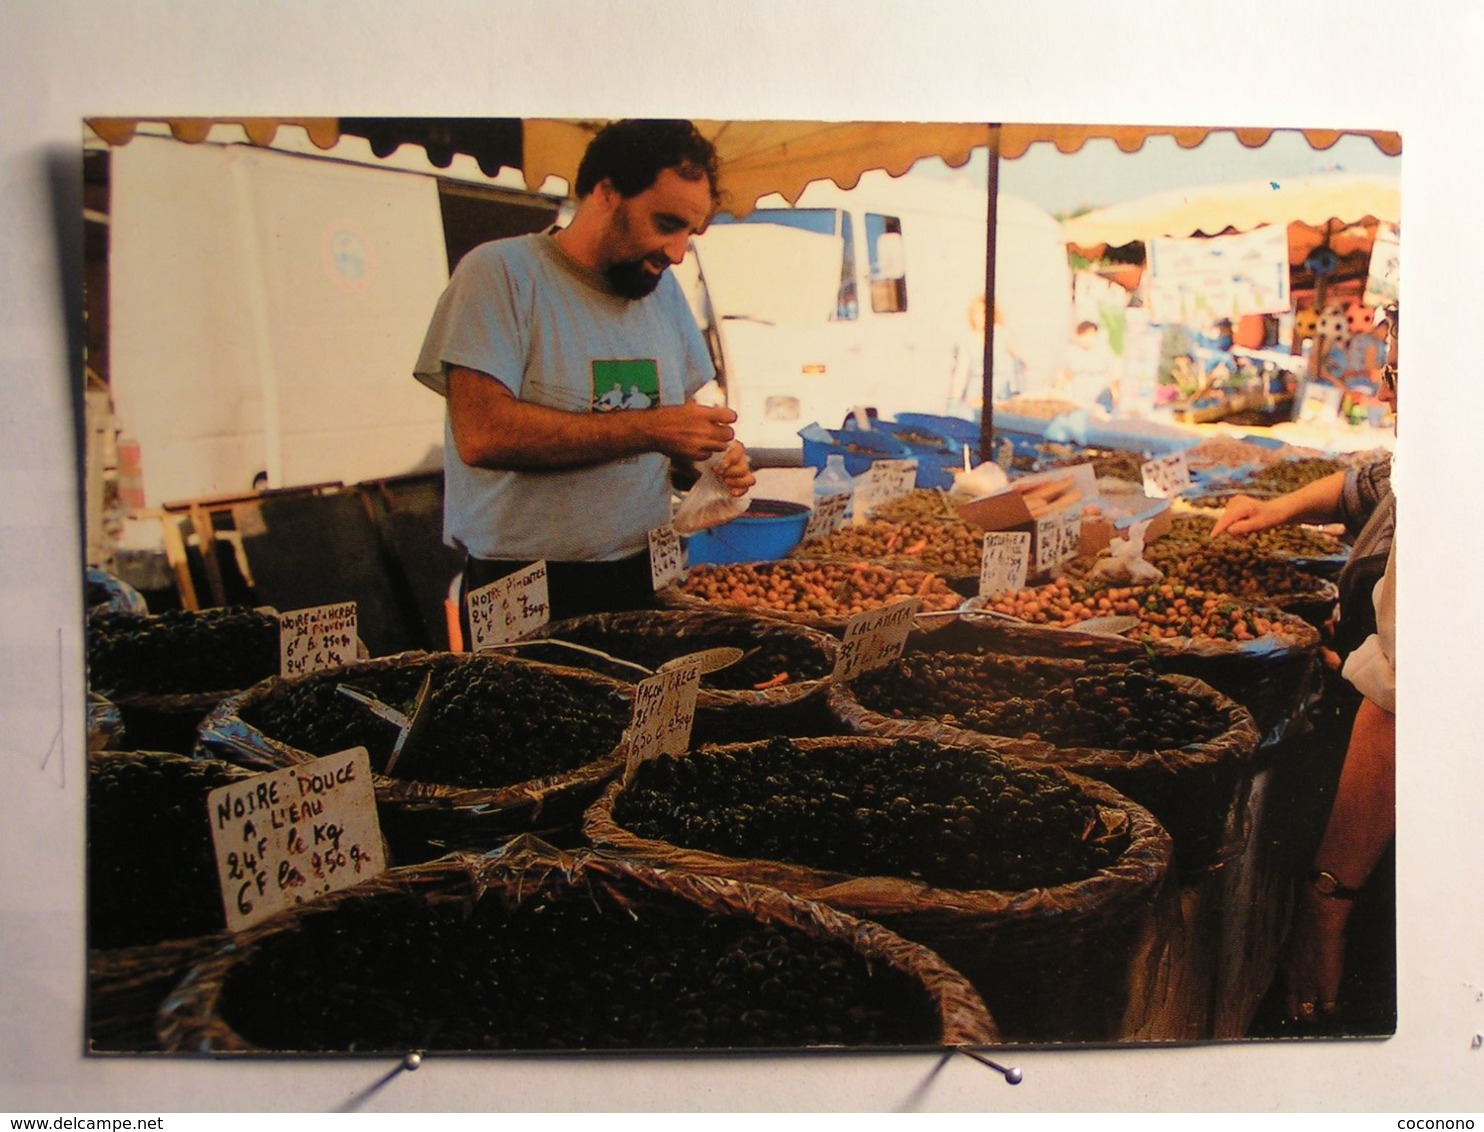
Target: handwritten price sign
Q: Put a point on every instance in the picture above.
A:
(1166, 477)
(884, 481)
(1005, 562)
(827, 516)
(509, 609)
(312, 639)
(1058, 538)
(293, 835)
(874, 638)
(664, 709)
(666, 559)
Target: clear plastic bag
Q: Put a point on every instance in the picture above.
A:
(710, 502)
(1125, 561)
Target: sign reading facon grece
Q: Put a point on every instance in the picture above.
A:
(1005, 562)
(664, 710)
(666, 559)
(312, 639)
(875, 638)
(508, 609)
(290, 836)
(1166, 476)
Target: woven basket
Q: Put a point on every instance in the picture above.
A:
(1196, 792)
(426, 819)
(527, 871)
(1053, 964)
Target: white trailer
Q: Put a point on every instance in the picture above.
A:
(860, 296)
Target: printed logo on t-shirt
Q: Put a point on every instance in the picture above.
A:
(625, 383)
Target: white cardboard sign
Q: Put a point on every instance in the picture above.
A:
(1166, 476)
(1005, 562)
(664, 710)
(666, 558)
(875, 638)
(293, 835)
(827, 516)
(321, 637)
(1058, 538)
(509, 609)
(884, 481)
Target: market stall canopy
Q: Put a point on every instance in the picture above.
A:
(1324, 203)
(757, 157)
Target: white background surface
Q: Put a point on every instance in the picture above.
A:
(1364, 64)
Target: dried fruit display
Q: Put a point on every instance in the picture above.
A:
(567, 968)
(1038, 408)
(951, 547)
(1289, 475)
(151, 870)
(949, 817)
(1125, 707)
(815, 589)
(490, 722)
(1168, 611)
(1189, 532)
(180, 651)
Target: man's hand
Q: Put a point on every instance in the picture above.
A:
(690, 431)
(735, 469)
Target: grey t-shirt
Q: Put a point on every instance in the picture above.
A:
(556, 335)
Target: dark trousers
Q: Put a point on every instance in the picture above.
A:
(574, 588)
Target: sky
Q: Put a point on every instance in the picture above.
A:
(1101, 174)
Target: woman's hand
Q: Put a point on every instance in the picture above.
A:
(1314, 958)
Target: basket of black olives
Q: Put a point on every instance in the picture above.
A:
(780, 663)
(1171, 743)
(153, 897)
(499, 746)
(1029, 880)
(529, 949)
(165, 671)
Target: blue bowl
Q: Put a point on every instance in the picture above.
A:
(765, 532)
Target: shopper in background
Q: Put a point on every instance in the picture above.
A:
(1092, 375)
(530, 336)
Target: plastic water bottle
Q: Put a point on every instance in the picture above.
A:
(833, 479)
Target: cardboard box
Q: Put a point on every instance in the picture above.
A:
(1008, 510)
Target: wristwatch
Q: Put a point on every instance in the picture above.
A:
(1325, 883)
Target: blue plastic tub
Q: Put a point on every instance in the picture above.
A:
(957, 429)
(765, 532)
(936, 452)
(860, 449)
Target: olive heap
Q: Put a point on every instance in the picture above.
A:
(1191, 532)
(950, 546)
(819, 589)
(1125, 707)
(1233, 568)
(767, 656)
(181, 651)
(1289, 475)
(490, 723)
(563, 969)
(1168, 611)
(949, 817)
(151, 869)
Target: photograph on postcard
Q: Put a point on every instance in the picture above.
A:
(654, 585)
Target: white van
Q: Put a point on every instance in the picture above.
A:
(860, 297)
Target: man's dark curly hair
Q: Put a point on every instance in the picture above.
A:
(632, 152)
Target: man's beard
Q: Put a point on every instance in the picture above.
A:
(632, 279)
